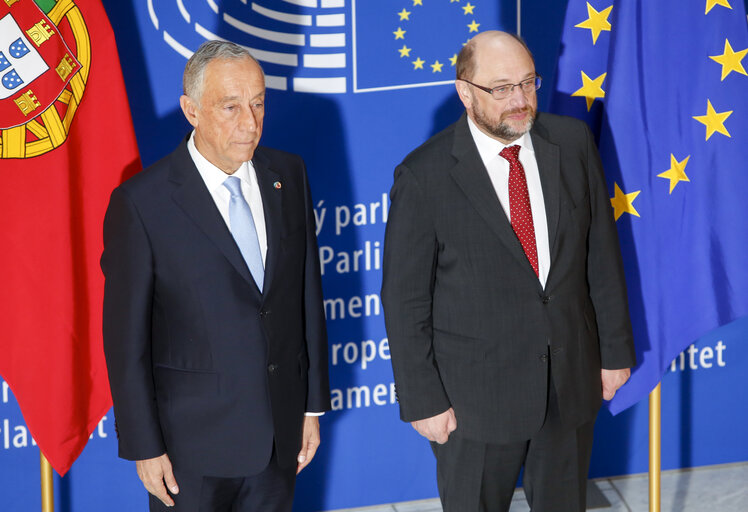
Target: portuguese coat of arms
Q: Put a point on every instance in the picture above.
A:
(45, 57)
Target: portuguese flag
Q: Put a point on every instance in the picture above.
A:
(66, 140)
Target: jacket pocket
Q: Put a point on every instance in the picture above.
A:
(173, 382)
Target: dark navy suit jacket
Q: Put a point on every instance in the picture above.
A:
(202, 364)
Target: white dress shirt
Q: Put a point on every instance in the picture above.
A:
(498, 170)
(214, 178)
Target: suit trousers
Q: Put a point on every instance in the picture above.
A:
(473, 476)
(271, 490)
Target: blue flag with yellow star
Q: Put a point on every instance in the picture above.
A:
(664, 86)
(413, 43)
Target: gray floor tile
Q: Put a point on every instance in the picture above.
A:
(714, 488)
(375, 508)
(616, 501)
(721, 488)
(433, 505)
(519, 502)
(603, 484)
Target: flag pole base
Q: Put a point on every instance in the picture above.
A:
(48, 489)
(655, 447)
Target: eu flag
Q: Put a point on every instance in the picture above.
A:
(411, 43)
(664, 86)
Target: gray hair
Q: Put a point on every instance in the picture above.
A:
(465, 65)
(194, 71)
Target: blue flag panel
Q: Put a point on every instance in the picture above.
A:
(665, 87)
(411, 43)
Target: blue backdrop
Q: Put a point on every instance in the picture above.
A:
(354, 85)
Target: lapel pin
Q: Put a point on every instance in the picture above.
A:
(277, 185)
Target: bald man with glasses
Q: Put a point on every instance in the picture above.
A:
(504, 293)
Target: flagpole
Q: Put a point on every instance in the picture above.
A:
(519, 18)
(655, 447)
(48, 489)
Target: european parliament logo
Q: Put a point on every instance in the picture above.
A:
(333, 46)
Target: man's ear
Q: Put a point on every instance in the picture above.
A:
(189, 108)
(463, 91)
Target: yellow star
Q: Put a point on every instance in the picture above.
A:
(453, 60)
(417, 2)
(730, 60)
(597, 21)
(623, 203)
(404, 15)
(676, 173)
(468, 8)
(404, 51)
(712, 3)
(418, 63)
(453, 1)
(436, 67)
(473, 26)
(399, 33)
(714, 121)
(591, 89)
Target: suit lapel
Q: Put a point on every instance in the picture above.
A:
(471, 176)
(272, 205)
(548, 158)
(195, 200)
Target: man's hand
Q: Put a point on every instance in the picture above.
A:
(437, 428)
(154, 473)
(612, 380)
(309, 442)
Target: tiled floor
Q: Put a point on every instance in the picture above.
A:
(721, 488)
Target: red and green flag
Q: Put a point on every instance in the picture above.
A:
(66, 140)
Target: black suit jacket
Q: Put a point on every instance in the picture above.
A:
(202, 365)
(469, 325)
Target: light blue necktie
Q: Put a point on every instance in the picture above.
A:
(242, 226)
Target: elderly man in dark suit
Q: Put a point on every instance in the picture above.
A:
(213, 320)
(504, 294)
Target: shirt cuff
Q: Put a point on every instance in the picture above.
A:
(314, 414)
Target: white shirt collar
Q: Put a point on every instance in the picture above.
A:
(489, 148)
(212, 175)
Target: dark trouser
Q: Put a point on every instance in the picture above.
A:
(480, 477)
(268, 491)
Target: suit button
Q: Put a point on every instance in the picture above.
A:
(544, 357)
(546, 299)
(264, 313)
(272, 368)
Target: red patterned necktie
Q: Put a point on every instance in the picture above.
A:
(519, 205)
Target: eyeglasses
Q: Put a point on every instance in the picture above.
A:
(504, 91)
